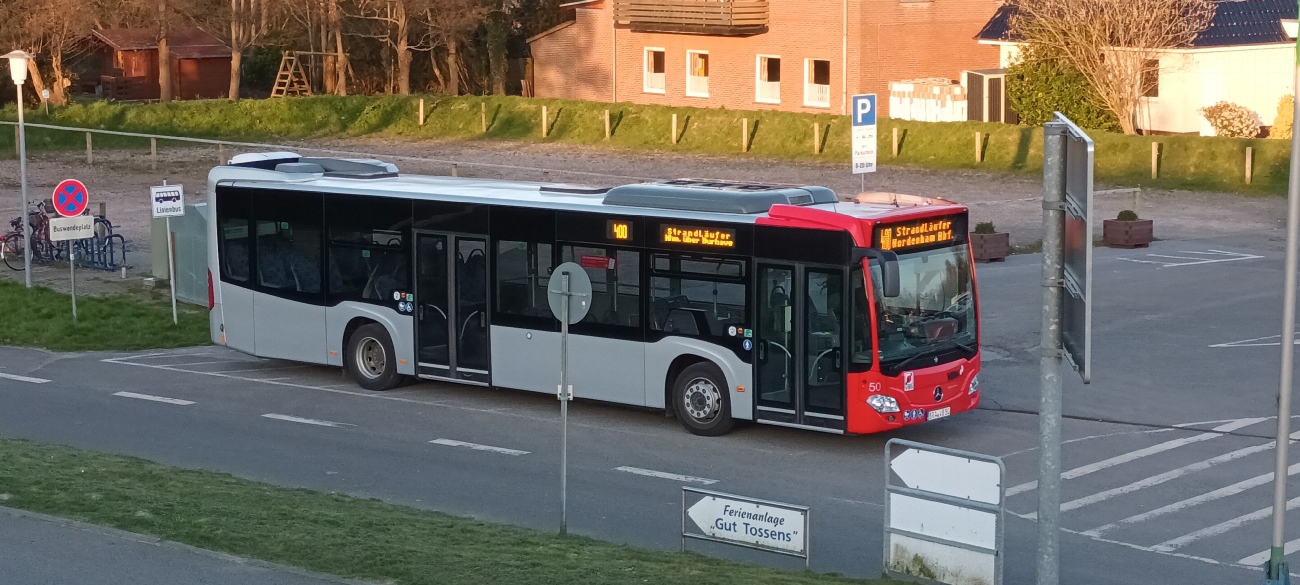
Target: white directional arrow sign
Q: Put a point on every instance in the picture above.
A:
(751, 523)
(950, 475)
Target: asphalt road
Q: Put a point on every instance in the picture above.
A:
(1167, 460)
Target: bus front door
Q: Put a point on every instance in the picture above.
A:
(451, 289)
(799, 370)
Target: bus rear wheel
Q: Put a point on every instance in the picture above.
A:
(701, 400)
(370, 359)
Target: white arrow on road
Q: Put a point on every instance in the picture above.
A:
(750, 523)
(950, 475)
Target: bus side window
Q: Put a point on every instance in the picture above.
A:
(234, 248)
(522, 272)
(616, 291)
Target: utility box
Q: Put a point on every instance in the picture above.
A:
(932, 99)
(986, 101)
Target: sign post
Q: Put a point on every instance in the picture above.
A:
(864, 136)
(746, 522)
(168, 201)
(70, 201)
(944, 514)
(568, 292)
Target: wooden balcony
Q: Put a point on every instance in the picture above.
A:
(702, 17)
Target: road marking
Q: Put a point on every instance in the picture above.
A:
(268, 369)
(1210, 496)
(1256, 342)
(1206, 257)
(18, 378)
(666, 475)
(478, 447)
(307, 421)
(176, 401)
(1259, 558)
(1170, 475)
(1140, 453)
(1220, 528)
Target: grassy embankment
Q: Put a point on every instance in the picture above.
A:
(350, 537)
(1186, 162)
(40, 317)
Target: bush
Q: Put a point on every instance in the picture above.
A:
(1041, 83)
(1229, 119)
(985, 227)
(1127, 215)
(1285, 113)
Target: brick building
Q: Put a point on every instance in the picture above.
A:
(790, 55)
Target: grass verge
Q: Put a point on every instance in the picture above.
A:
(40, 317)
(349, 537)
(1184, 162)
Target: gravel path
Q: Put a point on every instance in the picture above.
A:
(120, 179)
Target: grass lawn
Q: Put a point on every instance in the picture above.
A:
(350, 537)
(40, 317)
(1183, 162)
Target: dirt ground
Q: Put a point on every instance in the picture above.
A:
(121, 180)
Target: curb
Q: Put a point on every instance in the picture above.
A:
(170, 544)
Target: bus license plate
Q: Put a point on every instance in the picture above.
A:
(938, 414)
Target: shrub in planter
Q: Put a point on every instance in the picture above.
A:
(1127, 231)
(988, 244)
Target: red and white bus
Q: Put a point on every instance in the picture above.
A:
(717, 301)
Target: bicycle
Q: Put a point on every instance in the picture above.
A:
(43, 250)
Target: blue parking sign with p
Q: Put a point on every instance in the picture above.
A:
(864, 110)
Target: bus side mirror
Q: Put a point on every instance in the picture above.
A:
(889, 279)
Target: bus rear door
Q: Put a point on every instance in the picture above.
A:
(451, 292)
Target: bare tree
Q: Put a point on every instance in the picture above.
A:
(1112, 42)
(248, 22)
(398, 31)
(449, 23)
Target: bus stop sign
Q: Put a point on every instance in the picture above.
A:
(578, 296)
(1076, 305)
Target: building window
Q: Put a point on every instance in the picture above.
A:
(697, 74)
(768, 90)
(1151, 78)
(654, 70)
(817, 83)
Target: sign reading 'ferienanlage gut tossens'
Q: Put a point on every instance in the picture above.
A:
(757, 524)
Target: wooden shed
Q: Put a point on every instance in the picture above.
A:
(200, 64)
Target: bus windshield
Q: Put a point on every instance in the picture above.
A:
(934, 313)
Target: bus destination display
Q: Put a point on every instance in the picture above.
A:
(912, 234)
(618, 230)
(695, 236)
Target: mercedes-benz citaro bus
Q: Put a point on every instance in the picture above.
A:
(718, 301)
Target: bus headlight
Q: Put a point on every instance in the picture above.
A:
(882, 403)
(974, 385)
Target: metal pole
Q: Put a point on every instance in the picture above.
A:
(72, 272)
(171, 267)
(1049, 417)
(22, 172)
(564, 406)
(1277, 567)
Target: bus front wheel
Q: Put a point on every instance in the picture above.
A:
(701, 400)
(370, 359)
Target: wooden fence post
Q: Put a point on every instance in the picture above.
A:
(1155, 159)
(544, 118)
(674, 129)
(221, 153)
(153, 154)
(1249, 163)
(546, 176)
(454, 171)
(606, 124)
(895, 141)
(979, 147)
(421, 111)
(482, 112)
(90, 154)
(817, 133)
(744, 135)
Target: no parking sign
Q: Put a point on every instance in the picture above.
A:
(71, 198)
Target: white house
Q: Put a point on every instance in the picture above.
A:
(1246, 56)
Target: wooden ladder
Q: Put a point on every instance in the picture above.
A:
(291, 79)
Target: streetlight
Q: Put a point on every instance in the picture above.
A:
(18, 61)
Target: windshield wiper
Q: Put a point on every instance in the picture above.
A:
(936, 348)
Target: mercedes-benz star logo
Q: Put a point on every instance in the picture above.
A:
(938, 393)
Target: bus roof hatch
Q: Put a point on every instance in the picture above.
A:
(715, 196)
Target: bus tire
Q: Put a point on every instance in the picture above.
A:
(701, 400)
(370, 359)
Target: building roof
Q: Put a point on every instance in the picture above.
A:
(1235, 23)
(185, 43)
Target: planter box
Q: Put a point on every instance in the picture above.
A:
(990, 247)
(1127, 234)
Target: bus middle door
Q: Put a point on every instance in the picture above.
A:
(452, 327)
